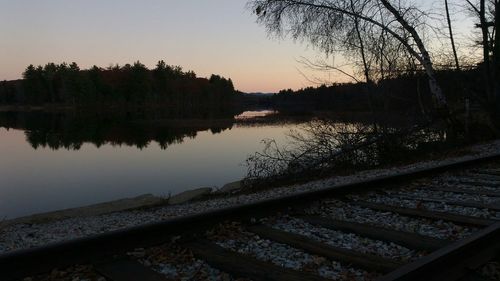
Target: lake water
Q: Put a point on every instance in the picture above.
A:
(56, 161)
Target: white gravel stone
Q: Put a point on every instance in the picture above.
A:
(189, 271)
(343, 211)
(178, 264)
(432, 206)
(347, 241)
(475, 174)
(287, 257)
(443, 195)
(467, 186)
(477, 181)
(23, 236)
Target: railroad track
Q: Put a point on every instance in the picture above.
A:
(441, 223)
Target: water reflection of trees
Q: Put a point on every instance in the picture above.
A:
(139, 128)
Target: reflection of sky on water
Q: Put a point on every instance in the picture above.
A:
(33, 181)
(255, 114)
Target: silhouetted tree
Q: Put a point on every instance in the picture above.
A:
(49, 74)
(131, 84)
(323, 22)
(494, 12)
(452, 38)
(484, 12)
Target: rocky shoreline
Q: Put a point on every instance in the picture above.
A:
(64, 225)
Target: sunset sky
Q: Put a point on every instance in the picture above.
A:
(216, 36)
(206, 36)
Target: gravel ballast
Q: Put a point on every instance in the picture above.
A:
(343, 211)
(179, 263)
(347, 241)
(26, 235)
(433, 206)
(288, 257)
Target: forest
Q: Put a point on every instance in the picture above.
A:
(408, 92)
(67, 84)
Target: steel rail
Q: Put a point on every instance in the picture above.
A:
(22, 263)
(454, 261)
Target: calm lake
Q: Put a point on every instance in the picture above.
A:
(53, 161)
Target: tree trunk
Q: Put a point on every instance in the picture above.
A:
(496, 56)
(457, 65)
(366, 69)
(486, 51)
(441, 105)
(421, 102)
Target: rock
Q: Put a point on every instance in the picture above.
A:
(189, 195)
(231, 187)
(142, 201)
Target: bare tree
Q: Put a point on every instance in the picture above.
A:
(362, 50)
(315, 146)
(496, 57)
(323, 145)
(485, 13)
(452, 38)
(324, 22)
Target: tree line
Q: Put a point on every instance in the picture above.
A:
(135, 84)
(406, 92)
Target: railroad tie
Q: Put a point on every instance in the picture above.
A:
(358, 259)
(494, 173)
(465, 191)
(473, 182)
(460, 219)
(454, 261)
(406, 239)
(244, 266)
(471, 204)
(493, 178)
(128, 270)
(474, 276)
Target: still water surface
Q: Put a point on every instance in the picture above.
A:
(37, 178)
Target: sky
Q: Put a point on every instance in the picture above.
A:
(206, 36)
